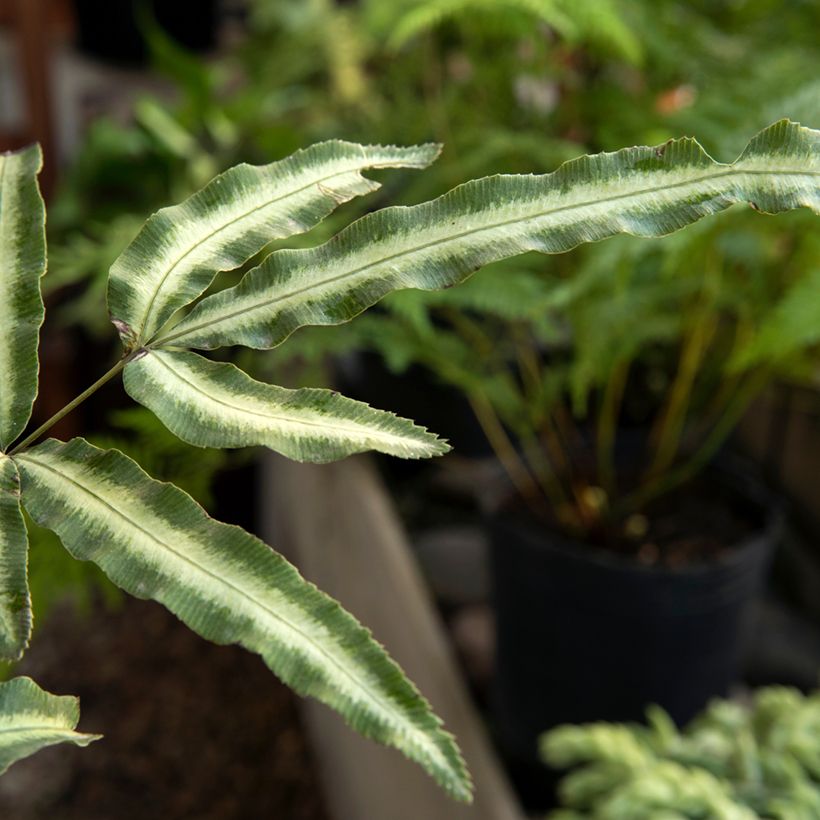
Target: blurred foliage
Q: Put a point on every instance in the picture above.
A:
(732, 763)
(143, 437)
(675, 336)
(556, 353)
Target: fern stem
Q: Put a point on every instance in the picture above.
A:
(471, 331)
(545, 467)
(528, 365)
(703, 455)
(503, 448)
(607, 424)
(671, 422)
(72, 405)
(542, 469)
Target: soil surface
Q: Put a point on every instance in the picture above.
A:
(696, 524)
(192, 730)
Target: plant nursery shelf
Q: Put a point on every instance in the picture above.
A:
(337, 523)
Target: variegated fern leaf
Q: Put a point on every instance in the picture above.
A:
(152, 539)
(31, 719)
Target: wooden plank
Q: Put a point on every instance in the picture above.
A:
(338, 524)
(35, 52)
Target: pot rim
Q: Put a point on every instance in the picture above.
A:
(731, 470)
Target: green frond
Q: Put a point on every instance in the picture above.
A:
(180, 249)
(15, 601)
(23, 255)
(154, 541)
(642, 191)
(214, 404)
(31, 719)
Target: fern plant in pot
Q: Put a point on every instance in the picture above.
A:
(625, 554)
(152, 539)
(636, 578)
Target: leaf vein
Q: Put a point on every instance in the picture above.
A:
(285, 419)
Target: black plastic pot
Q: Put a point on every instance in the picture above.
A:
(588, 635)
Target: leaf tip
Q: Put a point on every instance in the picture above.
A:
(433, 150)
(441, 446)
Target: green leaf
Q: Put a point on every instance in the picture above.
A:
(598, 22)
(602, 23)
(214, 404)
(180, 249)
(792, 326)
(154, 541)
(428, 14)
(641, 191)
(31, 719)
(23, 251)
(15, 603)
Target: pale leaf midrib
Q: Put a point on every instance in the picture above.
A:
(226, 317)
(45, 727)
(289, 419)
(226, 226)
(377, 699)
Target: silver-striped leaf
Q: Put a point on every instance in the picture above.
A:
(15, 602)
(180, 249)
(154, 541)
(214, 404)
(23, 255)
(31, 719)
(642, 191)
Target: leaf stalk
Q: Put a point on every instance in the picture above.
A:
(72, 405)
